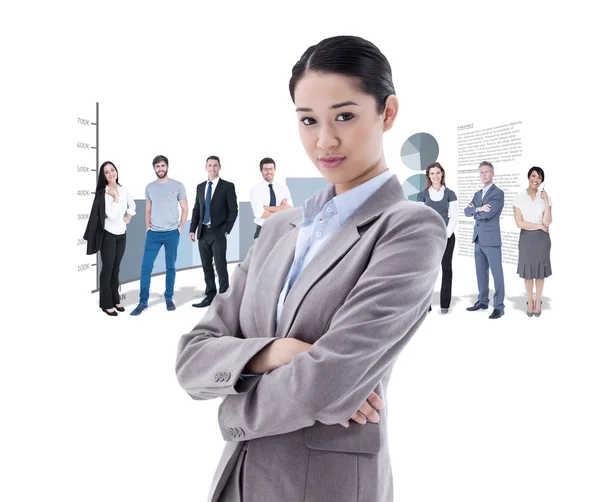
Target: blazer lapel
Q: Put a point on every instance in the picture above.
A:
(336, 248)
(271, 278)
(201, 201)
(217, 190)
(487, 194)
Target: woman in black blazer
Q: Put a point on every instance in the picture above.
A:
(112, 210)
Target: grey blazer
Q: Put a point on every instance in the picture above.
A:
(359, 302)
(487, 225)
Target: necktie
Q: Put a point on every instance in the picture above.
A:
(272, 201)
(207, 204)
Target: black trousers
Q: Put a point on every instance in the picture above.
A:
(257, 232)
(446, 291)
(214, 247)
(111, 253)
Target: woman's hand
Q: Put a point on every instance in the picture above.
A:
(544, 197)
(127, 218)
(276, 354)
(367, 412)
(113, 193)
(543, 227)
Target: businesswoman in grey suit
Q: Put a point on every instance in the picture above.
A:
(302, 345)
(533, 214)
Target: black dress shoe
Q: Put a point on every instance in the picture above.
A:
(113, 313)
(120, 309)
(497, 313)
(204, 303)
(477, 306)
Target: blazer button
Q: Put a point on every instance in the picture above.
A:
(242, 432)
(216, 377)
(231, 431)
(227, 376)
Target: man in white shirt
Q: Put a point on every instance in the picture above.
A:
(268, 197)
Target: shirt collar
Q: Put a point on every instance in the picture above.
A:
(433, 190)
(344, 204)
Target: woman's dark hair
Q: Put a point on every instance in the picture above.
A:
(538, 170)
(353, 57)
(429, 168)
(101, 185)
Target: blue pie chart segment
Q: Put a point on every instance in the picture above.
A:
(413, 185)
(419, 151)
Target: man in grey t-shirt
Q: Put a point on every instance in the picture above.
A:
(163, 228)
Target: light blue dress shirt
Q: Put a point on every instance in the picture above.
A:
(321, 223)
(485, 189)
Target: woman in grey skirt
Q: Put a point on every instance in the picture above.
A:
(533, 215)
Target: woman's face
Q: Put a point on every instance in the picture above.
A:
(534, 180)
(435, 175)
(340, 129)
(110, 173)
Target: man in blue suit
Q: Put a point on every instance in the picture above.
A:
(486, 208)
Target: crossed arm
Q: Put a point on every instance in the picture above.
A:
(334, 377)
(487, 211)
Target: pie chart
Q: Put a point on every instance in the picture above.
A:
(419, 151)
(413, 185)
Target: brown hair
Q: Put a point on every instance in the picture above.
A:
(429, 168)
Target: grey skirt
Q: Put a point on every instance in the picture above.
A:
(534, 254)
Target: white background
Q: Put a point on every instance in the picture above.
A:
(480, 410)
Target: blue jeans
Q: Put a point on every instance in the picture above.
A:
(154, 241)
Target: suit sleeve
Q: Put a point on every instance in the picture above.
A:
(210, 359)
(384, 309)
(496, 202)
(232, 207)
(195, 212)
(421, 197)
(470, 210)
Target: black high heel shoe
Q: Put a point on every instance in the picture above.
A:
(113, 314)
(529, 314)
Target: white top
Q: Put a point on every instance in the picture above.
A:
(532, 210)
(115, 211)
(260, 195)
(212, 193)
(452, 209)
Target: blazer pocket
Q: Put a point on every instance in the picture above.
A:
(355, 439)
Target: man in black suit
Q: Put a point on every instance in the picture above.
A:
(213, 217)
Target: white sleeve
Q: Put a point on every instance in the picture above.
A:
(130, 204)
(452, 217)
(256, 202)
(289, 196)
